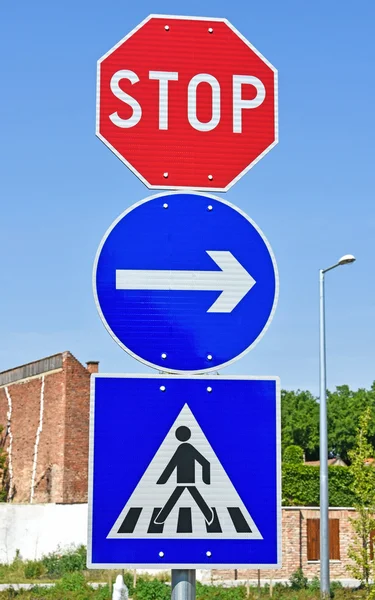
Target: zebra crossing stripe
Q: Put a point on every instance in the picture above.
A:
(239, 520)
(130, 521)
(214, 527)
(155, 527)
(184, 523)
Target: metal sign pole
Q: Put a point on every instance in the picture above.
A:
(183, 584)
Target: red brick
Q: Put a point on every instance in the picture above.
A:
(62, 457)
(294, 548)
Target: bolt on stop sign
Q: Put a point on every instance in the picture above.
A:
(187, 102)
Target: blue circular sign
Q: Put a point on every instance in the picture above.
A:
(185, 282)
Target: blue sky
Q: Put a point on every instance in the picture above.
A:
(312, 195)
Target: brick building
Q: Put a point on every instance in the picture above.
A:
(300, 546)
(44, 409)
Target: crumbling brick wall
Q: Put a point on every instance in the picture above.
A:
(46, 419)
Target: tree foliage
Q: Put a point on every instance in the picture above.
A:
(363, 484)
(300, 422)
(293, 455)
(345, 408)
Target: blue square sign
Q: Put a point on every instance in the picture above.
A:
(184, 472)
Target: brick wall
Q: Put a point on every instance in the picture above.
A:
(294, 548)
(46, 419)
(77, 416)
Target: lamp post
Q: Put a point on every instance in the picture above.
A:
(323, 454)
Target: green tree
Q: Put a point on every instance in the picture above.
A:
(300, 422)
(345, 408)
(293, 455)
(363, 567)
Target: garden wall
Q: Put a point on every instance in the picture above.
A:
(37, 529)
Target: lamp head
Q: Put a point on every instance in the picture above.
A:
(346, 259)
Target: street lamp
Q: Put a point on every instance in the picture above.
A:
(323, 454)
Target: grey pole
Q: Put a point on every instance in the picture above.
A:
(323, 455)
(183, 584)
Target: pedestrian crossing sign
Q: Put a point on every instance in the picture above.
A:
(184, 472)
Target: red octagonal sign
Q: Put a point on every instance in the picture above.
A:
(187, 102)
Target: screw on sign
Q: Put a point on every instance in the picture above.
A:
(187, 102)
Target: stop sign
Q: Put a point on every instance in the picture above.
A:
(187, 102)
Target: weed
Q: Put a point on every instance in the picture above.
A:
(151, 590)
(314, 584)
(72, 582)
(209, 592)
(298, 581)
(58, 563)
(34, 569)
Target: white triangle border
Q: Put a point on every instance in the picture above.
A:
(254, 535)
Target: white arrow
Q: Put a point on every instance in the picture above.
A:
(233, 281)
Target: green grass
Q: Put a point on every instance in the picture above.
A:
(75, 588)
(67, 569)
(52, 567)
